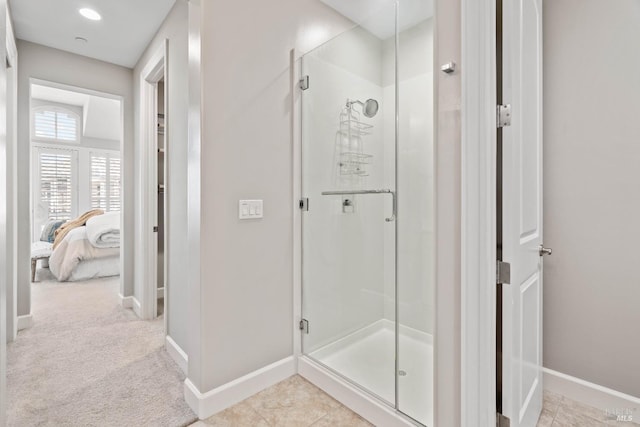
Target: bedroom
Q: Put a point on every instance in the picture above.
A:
(75, 184)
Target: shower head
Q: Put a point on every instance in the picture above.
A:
(369, 107)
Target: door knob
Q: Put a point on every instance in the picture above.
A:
(544, 251)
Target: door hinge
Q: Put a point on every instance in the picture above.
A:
(503, 114)
(304, 83)
(155, 229)
(503, 273)
(304, 204)
(304, 326)
(502, 421)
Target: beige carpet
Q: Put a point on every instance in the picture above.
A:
(89, 362)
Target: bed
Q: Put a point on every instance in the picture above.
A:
(90, 251)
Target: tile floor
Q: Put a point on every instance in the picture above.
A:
(560, 411)
(295, 402)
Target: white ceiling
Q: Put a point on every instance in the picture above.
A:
(126, 28)
(100, 116)
(377, 16)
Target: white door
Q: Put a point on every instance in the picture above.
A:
(522, 212)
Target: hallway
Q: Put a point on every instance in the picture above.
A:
(87, 361)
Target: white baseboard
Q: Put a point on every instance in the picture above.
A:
(369, 408)
(227, 395)
(160, 293)
(25, 322)
(137, 307)
(588, 393)
(177, 354)
(125, 302)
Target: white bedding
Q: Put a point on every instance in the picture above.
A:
(96, 268)
(103, 231)
(76, 258)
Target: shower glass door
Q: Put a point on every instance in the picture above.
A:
(367, 233)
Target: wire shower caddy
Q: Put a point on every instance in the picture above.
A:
(353, 159)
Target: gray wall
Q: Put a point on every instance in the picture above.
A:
(4, 180)
(245, 293)
(12, 184)
(591, 196)
(448, 139)
(40, 62)
(175, 29)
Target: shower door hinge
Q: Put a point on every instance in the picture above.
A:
(304, 204)
(502, 421)
(503, 273)
(503, 114)
(304, 83)
(304, 326)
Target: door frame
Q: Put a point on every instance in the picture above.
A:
(125, 210)
(155, 70)
(479, 213)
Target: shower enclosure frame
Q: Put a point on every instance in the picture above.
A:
(356, 397)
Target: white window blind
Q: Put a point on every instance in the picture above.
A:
(105, 182)
(56, 184)
(114, 184)
(55, 124)
(99, 182)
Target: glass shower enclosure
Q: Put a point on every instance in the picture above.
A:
(368, 225)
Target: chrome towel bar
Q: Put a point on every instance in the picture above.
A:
(353, 192)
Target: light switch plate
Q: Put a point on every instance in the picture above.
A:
(250, 209)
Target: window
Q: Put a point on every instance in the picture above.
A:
(55, 124)
(55, 194)
(114, 184)
(105, 181)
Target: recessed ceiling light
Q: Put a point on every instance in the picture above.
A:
(90, 14)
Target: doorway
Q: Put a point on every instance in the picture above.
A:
(152, 214)
(161, 211)
(76, 183)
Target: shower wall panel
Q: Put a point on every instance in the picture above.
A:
(416, 237)
(346, 281)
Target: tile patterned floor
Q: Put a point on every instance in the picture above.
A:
(560, 411)
(295, 402)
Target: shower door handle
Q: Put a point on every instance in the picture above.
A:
(354, 192)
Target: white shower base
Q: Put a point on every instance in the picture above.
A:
(367, 358)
